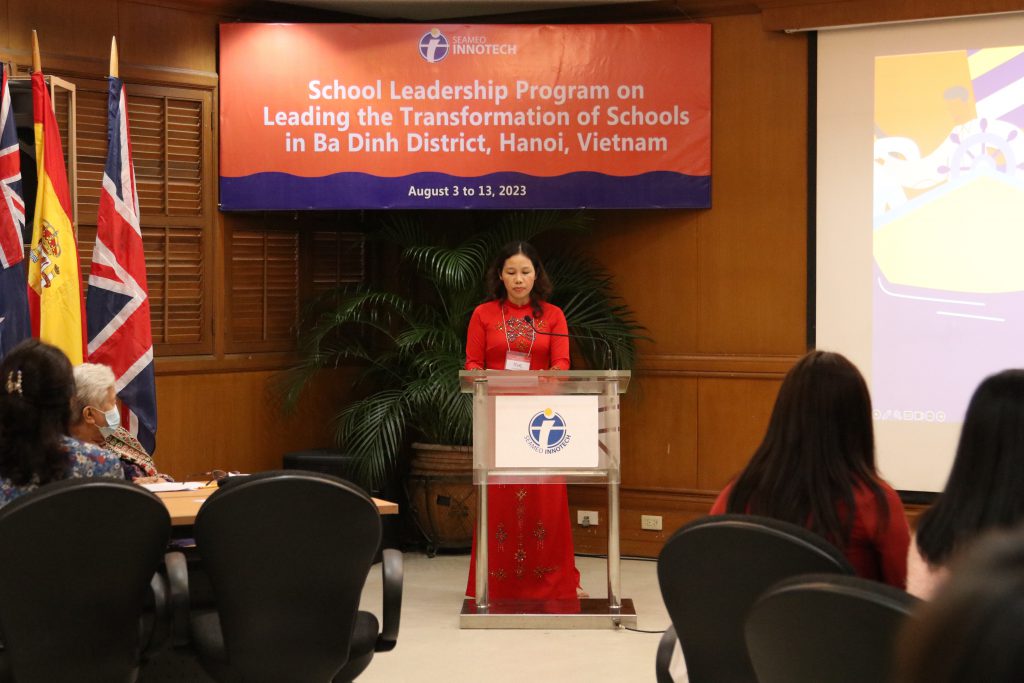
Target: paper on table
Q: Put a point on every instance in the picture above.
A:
(174, 486)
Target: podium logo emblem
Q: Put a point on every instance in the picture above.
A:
(547, 432)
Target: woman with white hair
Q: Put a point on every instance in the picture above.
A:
(96, 419)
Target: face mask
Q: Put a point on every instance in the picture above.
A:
(113, 419)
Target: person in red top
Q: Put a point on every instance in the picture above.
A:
(530, 549)
(816, 467)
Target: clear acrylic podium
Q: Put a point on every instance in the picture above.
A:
(567, 406)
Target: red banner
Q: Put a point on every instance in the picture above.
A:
(373, 116)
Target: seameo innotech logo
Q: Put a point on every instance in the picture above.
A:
(433, 46)
(547, 432)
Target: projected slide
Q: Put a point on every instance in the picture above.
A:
(948, 240)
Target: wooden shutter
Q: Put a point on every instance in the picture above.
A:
(337, 258)
(171, 150)
(274, 268)
(264, 303)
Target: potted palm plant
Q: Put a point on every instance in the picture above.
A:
(410, 340)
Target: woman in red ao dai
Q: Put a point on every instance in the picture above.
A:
(530, 549)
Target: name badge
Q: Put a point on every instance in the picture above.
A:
(514, 360)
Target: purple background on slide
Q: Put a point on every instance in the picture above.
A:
(925, 361)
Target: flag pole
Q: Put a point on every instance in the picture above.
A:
(113, 57)
(37, 63)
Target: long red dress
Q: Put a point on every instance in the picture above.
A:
(530, 550)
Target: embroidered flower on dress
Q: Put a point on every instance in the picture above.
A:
(519, 334)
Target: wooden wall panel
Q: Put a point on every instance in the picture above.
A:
(659, 434)
(753, 241)
(194, 44)
(781, 15)
(654, 257)
(675, 510)
(5, 26)
(722, 292)
(733, 415)
(232, 421)
(79, 29)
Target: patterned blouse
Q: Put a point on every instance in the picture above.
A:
(86, 460)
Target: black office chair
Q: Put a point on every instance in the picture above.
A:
(79, 560)
(288, 554)
(711, 571)
(823, 627)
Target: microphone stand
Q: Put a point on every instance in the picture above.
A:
(607, 346)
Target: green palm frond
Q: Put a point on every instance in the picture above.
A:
(373, 430)
(446, 413)
(402, 229)
(449, 269)
(416, 339)
(526, 225)
(522, 226)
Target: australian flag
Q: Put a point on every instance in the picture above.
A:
(14, 320)
(117, 306)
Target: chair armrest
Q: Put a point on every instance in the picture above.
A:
(393, 570)
(663, 659)
(154, 641)
(177, 578)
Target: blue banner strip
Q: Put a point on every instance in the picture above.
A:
(284, 192)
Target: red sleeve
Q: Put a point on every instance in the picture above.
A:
(722, 502)
(476, 342)
(893, 541)
(559, 345)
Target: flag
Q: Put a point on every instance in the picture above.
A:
(54, 283)
(14, 320)
(118, 300)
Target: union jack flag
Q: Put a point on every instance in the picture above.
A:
(117, 307)
(15, 324)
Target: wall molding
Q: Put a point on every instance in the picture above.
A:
(714, 365)
(91, 67)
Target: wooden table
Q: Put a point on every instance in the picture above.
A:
(184, 505)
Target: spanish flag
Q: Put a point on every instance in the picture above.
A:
(54, 283)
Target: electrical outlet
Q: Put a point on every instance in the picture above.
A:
(650, 522)
(586, 517)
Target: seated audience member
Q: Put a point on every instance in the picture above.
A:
(816, 467)
(36, 388)
(985, 489)
(95, 418)
(970, 631)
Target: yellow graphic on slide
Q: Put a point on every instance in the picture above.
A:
(948, 174)
(969, 240)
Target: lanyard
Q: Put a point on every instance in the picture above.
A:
(508, 345)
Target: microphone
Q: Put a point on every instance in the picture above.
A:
(607, 346)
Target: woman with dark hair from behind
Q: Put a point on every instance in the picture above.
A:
(985, 489)
(36, 387)
(816, 468)
(970, 632)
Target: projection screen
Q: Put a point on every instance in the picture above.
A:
(919, 274)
